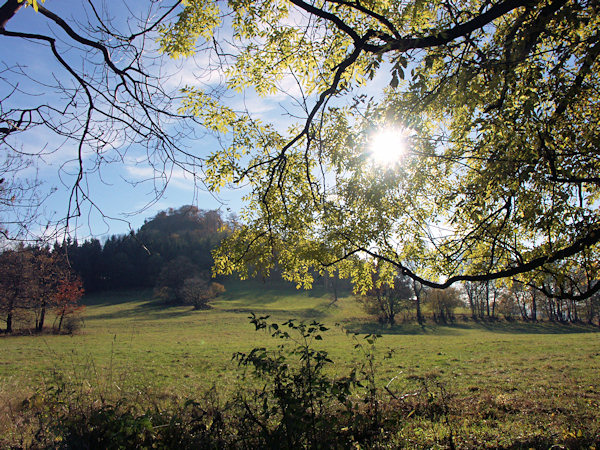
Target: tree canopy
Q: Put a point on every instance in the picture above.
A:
(139, 258)
(496, 104)
(485, 113)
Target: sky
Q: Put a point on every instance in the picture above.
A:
(119, 202)
(122, 192)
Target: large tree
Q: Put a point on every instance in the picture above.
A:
(491, 106)
(16, 279)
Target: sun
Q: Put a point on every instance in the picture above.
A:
(388, 146)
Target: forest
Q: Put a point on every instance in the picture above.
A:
(172, 253)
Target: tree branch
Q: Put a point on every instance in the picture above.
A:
(8, 10)
(592, 238)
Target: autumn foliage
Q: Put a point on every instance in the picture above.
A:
(33, 282)
(66, 299)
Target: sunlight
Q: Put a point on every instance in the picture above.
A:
(388, 146)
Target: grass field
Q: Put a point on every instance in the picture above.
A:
(504, 382)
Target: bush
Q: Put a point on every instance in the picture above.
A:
(299, 405)
(199, 290)
(73, 324)
(108, 427)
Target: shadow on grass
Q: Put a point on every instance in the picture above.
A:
(459, 326)
(117, 297)
(402, 329)
(272, 298)
(275, 299)
(519, 327)
(264, 292)
(149, 310)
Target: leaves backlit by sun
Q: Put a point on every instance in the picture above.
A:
(388, 146)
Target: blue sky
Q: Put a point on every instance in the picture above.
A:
(123, 192)
(119, 202)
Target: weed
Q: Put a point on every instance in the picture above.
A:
(299, 405)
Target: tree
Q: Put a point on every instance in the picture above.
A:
(525, 298)
(66, 298)
(419, 291)
(387, 300)
(44, 274)
(183, 281)
(443, 302)
(16, 268)
(170, 281)
(197, 291)
(105, 95)
(495, 106)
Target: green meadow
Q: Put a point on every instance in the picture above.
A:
(501, 384)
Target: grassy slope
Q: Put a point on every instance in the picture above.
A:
(543, 375)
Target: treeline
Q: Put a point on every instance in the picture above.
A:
(514, 300)
(170, 253)
(408, 300)
(186, 235)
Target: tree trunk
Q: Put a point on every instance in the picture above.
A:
(61, 321)
(40, 325)
(589, 311)
(560, 311)
(417, 291)
(487, 298)
(335, 287)
(9, 322)
(550, 309)
(9, 315)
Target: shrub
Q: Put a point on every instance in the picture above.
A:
(199, 290)
(73, 324)
(299, 404)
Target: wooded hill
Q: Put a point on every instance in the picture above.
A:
(135, 260)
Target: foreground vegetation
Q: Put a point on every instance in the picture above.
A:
(139, 374)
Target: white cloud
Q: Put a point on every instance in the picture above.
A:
(197, 70)
(173, 176)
